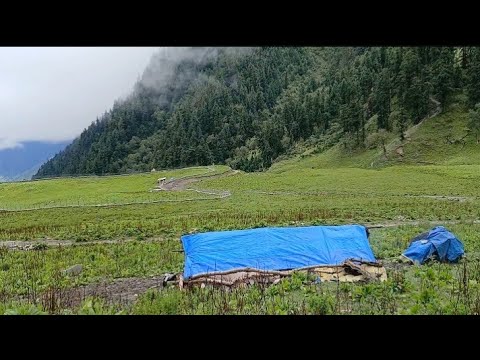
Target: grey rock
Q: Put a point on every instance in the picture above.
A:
(169, 277)
(73, 270)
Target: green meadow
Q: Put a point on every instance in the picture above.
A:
(433, 183)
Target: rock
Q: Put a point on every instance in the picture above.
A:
(40, 246)
(168, 277)
(73, 270)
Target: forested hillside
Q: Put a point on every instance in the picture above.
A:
(246, 107)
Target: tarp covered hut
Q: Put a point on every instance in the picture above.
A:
(333, 252)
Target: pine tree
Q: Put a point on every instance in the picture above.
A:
(443, 77)
(473, 77)
(382, 99)
(474, 122)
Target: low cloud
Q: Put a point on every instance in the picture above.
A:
(6, 143)
(161, 74)
(52, 94)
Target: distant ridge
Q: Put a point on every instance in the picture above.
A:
(21, 163)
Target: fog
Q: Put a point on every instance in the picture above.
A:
(52, 94)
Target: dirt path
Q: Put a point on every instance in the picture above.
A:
(35, 244)
(109, 205)
(437, 111)
(419, 222)
(396, 144)
(182, 183)
(119, 291)
(444, 197)
(174, 185)
(330, 193)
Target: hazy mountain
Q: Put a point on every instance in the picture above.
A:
(22, 162)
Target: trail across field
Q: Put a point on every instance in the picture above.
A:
(327, 193)
(175, 184)
(183, 183)
(33, 244)
(420, 222)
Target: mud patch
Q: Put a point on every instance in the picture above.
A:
(117, 292)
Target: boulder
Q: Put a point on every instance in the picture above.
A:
(73, 270)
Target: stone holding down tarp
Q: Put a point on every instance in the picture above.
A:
(332, 252)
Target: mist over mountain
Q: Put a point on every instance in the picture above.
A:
(249, 107)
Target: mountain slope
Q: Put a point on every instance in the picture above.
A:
(439, 140)
(23, 162)
(249, 107)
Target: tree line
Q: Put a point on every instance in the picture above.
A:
(247, 109)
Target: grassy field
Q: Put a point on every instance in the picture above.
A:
(84, 191)
(306, 195)
(328, 188)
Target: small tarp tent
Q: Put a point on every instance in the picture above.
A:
(437, 243)
(228, 257)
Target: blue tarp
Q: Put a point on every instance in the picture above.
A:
(274, 248)
(437, 242)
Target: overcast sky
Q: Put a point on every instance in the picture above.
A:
(52, 94)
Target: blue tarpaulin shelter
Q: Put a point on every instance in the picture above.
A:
(438, 242)
(274, 248)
